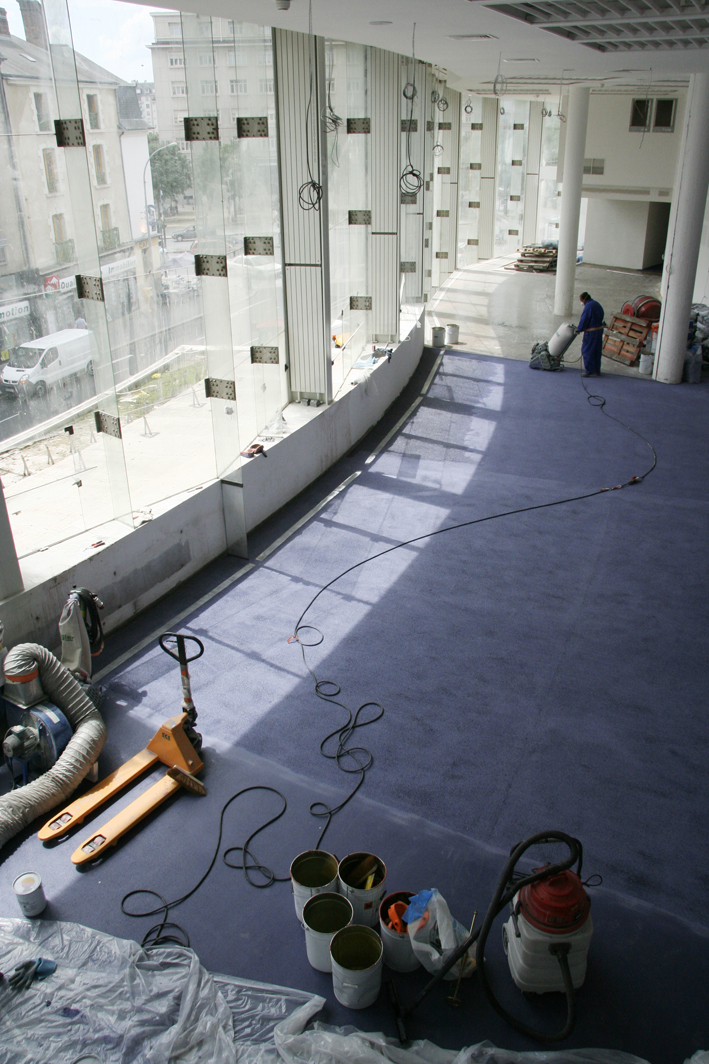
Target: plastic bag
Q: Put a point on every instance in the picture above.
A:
(435, 934)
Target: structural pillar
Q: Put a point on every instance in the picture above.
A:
(682, 254)
(576, 123)
(10, 575)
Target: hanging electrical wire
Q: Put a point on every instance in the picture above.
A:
(411, 180)
(647, 109)
(310, 192)
(468, 106)
(435, 100)
(331, 119)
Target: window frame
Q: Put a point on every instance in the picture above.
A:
(51, 175)
(647, 102)
(89, 113)
(103, 170)
(671, 127)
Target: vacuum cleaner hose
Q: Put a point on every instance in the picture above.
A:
(20, 807)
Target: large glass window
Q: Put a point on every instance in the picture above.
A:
(471, 131)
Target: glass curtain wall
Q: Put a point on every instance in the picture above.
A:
(348, 117)
(471, 124)
(414, 239)
(513, 131)
(549, 187)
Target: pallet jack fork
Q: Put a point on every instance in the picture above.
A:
(175, 744)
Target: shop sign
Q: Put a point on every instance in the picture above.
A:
(14, 310)
(59, 284)
(113, 269)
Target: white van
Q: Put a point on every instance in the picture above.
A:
(39, 365)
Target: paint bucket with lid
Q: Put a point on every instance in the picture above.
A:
(362, 878)
(398, 952)
(438, 336)
(452, 332)
(30, 893)
(312, 872)
(356, 953)
(323, 916)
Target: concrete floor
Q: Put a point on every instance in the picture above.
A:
(504, 312)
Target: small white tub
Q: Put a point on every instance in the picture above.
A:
(398, 952)
(365, 902)
(438, 336)
(30, 893)
(312, 872)
(646, 363)
(323, 916)
(356, 955)
(452, 333)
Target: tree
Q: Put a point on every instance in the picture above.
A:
(171, 171)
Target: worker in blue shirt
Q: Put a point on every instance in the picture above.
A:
(591, 325)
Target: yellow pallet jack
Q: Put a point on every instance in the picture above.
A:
(175, 744)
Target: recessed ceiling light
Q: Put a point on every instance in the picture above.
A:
(472, 37)
(521, 60)
(382, 22)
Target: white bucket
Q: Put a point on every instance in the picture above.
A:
(323, 916)
(312, 872)
(30, 893)
(398, 952)
(356, 954)
(452, 332)
(364, 902)
(438, 336)
(646, 362)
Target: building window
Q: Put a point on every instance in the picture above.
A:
(175, 29)
(206, 59)
(238, 88)
(208, 88)
(664, 116)
(50, 169)
(178, 117)
(92, 109)
(40, 106)
(206, 27)
(105, 212)
(594, 166)
(640, 115)
(230, 58)
(265, 85)
(182, 145)
(59, 228)
(178, 89)
(99, 165)
(177, 60)
(3, 250)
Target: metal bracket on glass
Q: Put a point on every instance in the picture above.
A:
(442, 214)
(444, 126)
(409, 197)
(69, 132)
(359, 217)
(429, 126)
(444, 169)
(408, 267)
(258, 245)
(473, 241)
(89, 287)
(409, 125)
(441, 254)
(516, 162)
(473, 203)
(476, 125)
(252, 127)
(360, 302)
(210, 265)
(216, 388)
(266, 356)
(359, 125)
(108, 423)
(205, 127)
(476, 166)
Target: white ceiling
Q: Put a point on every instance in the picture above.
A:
(473, 64)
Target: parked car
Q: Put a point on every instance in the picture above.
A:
(189, 233)
(39, 365)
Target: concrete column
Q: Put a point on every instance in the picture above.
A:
(574, 150)
(683, 241)
(10, 575)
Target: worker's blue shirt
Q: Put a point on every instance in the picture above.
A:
(592, 316)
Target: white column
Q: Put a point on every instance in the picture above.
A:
(10, 575)
(690, 194)
(576, 122)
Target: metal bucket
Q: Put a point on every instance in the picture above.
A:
(312, 872)
(398, 952)
(30, 893)
(646, 363)
(364, 902)
(438, 336)
(356, 954)
(452, 332)
(323, 916)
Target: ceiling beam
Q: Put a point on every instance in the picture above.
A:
(656, 37)
(567, 23)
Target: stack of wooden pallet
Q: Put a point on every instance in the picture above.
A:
(536, 259)
(624, 338)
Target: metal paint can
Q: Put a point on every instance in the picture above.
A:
(356, 954)
(30, 893)
(312, 872)
(364, 902)
(323, 916)
(452, 332)
(398, 952)
(438, 336)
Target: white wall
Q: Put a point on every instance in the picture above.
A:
(615, 233)
(134, 151)
(701, 285)
(633, 160)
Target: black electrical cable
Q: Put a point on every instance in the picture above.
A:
(155, 935)
(411, 180)
(310, 192)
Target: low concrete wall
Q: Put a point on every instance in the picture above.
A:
(138, 569)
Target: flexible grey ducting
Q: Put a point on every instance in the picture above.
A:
(21, 807)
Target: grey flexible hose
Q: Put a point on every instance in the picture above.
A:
(22, 806)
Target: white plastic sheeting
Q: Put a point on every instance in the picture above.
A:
(111, 1001)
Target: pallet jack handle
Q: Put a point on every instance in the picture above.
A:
(183, 658)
